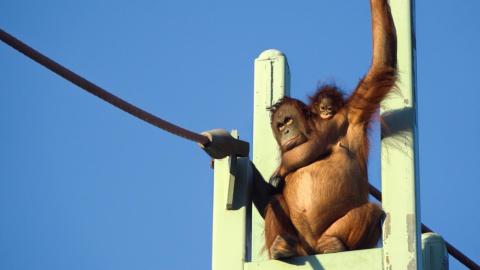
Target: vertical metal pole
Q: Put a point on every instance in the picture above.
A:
(272, 82)
(230, 207)
(400, 186)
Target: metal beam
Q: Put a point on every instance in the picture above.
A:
(400, 186)
(272, 82)
(230, 212)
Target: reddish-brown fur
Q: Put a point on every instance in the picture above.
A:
(325, 131)
(324, 206)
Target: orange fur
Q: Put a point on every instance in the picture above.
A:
(325, 199)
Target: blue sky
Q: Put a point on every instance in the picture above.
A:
(86, 186)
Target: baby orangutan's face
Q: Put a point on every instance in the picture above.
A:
(327, 109)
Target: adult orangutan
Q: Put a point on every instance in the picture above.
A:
(324, 205)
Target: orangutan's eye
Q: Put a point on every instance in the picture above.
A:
(288, 121)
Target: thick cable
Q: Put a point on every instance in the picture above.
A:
(98, 91)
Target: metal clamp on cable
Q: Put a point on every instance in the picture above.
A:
(222, 144)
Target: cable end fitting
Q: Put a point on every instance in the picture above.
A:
(222, 144)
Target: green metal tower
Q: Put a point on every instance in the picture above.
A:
(237, 225)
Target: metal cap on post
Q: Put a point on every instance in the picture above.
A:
(434, 252)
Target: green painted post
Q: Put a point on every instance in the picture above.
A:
(230, 208)
(271, 82)
(434, 252)
(400, 187)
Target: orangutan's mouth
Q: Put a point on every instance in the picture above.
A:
(290, 143)
(326, 115)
